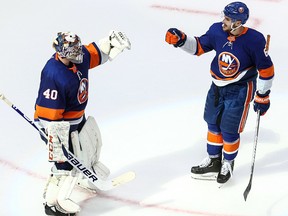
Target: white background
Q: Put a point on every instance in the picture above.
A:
(148, 103)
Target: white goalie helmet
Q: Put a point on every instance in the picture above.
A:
(68, 45)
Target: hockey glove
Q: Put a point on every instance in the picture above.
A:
(175, 37)
(262, 102)
(114, 44)
(119, 41)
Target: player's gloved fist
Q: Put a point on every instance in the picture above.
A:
(262, 102)
(175, 37)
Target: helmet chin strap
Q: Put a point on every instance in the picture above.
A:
(233, 29)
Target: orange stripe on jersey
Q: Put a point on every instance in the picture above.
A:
(95, 59)
(231, 147)
(213, 138)
(48, 113)
(244, 116)
(267, 73)
(200, 51)
(73, 114)
(56, 114)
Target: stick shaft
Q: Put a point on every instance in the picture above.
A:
(248, 188)
(267, 42)
(9, 103)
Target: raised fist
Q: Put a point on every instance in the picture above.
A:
(175, 37)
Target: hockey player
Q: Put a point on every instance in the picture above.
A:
(60, 112)
(241, 56)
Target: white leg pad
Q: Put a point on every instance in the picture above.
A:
(87, 147)
(58, 191)
(102, 171)
(51, 191)
(91, 142)
(63, 198)
(77, 149)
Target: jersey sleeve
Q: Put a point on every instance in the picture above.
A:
(95, 55)
(205, 43)
(264, 64)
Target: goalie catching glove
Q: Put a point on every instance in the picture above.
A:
(114, 44)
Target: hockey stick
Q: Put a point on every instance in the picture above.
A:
(248, 188)
(75, 162)
(266, 49)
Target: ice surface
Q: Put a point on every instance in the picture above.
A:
(148, 103)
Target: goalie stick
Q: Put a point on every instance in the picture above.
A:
(75, 162)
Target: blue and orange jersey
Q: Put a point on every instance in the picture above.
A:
(63, 91)
(237, 59)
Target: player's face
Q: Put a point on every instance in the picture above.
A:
(226, 24)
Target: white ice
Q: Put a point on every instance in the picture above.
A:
(148, 103)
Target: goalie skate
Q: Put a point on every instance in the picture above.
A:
(52, 210)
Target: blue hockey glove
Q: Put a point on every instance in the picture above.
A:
(175, 37)
(262, 102)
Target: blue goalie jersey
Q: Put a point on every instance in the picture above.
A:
(63, 91)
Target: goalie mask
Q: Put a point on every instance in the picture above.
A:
(68, 45)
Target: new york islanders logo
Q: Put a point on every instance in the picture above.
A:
(83, 91)
(228, 64)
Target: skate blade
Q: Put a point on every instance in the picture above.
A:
(206, 176)
(221, 185)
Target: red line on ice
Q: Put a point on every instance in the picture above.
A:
(255, 21)
(27, 172)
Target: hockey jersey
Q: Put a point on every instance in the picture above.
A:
(63, 91)
(237, 59)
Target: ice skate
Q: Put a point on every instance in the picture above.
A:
(226, 171)
(208, 169)
(52, 210)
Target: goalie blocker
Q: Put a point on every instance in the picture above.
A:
(87, 148)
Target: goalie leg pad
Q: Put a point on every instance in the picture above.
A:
(63, 198)
(58, 134)
(58, 190)
(87, 147)
(102, 172)
(81, 152)
(90, 140)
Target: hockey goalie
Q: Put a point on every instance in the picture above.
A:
(60, 112)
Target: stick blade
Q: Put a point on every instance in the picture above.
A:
(116, 182)
(123, 179)
(247, 190)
